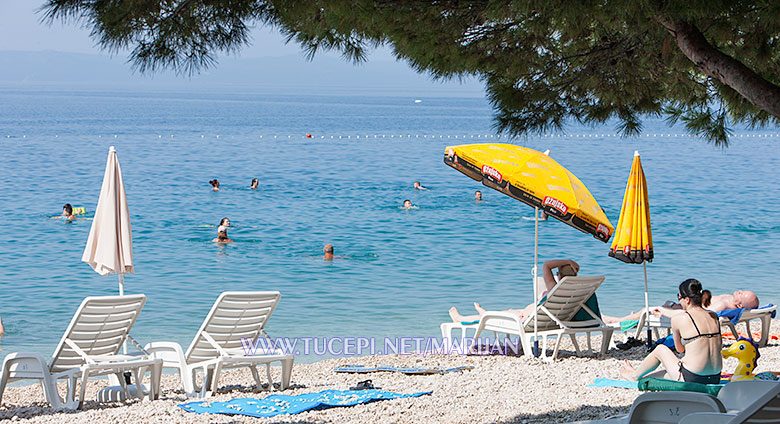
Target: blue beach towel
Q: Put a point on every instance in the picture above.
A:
(735, 314)
(608, 382)
(274, 405)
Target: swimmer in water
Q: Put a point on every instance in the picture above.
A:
(477, 196)
(214, 184)
(328, 252)
(407, 204)
(67, 213)
(254, 184)
(2, 330)
(418, 186)
(222, 236)
(543, 216)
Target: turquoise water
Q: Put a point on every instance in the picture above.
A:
(714, 212)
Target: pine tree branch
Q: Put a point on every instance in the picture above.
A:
(724, 68)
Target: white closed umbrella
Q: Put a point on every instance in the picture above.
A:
(109, 247)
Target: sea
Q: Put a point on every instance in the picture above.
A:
(715, 211)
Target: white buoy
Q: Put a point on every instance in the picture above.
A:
(418, 101)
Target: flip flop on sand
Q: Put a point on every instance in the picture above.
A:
(630, 343)
(364, 385)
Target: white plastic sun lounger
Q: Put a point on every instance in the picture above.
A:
(88, 348)
(764, 408)
(736, 399)
(555, 313)
(763, 314)
(218, 343)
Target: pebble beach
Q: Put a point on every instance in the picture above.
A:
(499, 389)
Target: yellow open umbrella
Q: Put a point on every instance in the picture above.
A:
(537, 180)
(633, 241)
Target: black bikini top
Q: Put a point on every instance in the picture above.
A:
(699, 335)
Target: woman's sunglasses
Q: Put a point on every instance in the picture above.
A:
(680, 297)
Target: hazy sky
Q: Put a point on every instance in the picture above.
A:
(21, 29)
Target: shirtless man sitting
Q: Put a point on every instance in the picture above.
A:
(566, 267)
(739, 299)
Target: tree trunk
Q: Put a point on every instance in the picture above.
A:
(724, 68)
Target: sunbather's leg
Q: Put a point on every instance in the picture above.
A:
(522, 313)
(660, 355)
(457, 317)
(654, 310)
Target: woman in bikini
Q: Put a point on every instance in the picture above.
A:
(696, 333)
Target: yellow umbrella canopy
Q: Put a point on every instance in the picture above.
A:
(535, 179)
(633, 241)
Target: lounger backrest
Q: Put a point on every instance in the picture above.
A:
(234, 316)
(565, 300)
(99, 327)
(765, 405)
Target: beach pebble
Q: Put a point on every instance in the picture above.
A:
(498, 389)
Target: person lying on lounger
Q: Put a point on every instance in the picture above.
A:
(739, 299)
(565, 267)
(696, 332)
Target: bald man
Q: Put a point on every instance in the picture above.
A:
(739, 299)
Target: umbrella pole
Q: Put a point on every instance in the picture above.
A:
(122, 293)
(536, 352)
(647, 310)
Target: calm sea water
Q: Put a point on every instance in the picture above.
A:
(715, 212)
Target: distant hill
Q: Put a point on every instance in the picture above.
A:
(290, 74)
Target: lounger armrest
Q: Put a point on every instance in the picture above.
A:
(170, 352)
(26, 365)
(500, 321)
(707, 418)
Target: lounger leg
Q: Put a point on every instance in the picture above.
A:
(189, 380)
(733, 329)
(606, 340)
(287, 365)
(215, 379)
(576, 345)
(590, 345)
(268, 375)
(139, 392)
(4, 381)
(123, 385)
(766, 321)
(207, 376)
(83, 388)
(154, 383)
(749, 331)
(557, 346)
(256, 376)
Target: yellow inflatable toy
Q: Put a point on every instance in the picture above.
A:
(747, 353)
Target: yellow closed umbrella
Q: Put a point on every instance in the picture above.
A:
(537, 180)
(633, 241)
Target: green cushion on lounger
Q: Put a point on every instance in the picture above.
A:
(650, 384)
(583, 315)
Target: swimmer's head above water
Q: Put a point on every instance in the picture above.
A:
(254, 184)
(407, 204)
(214, 184)
(224, 223)
(327, 251)
(67, 210)
(478, 196)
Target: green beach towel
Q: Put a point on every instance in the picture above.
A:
(628, 324)
(650, 384)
